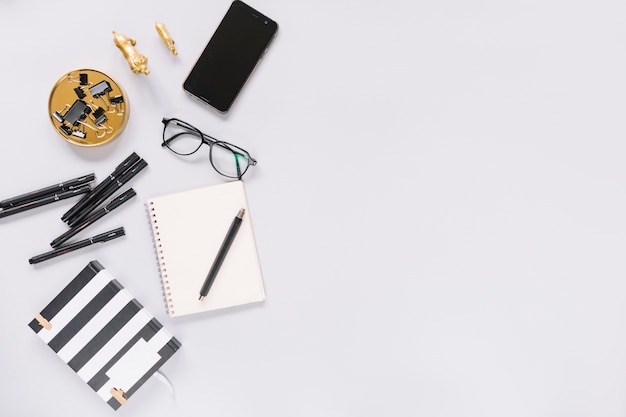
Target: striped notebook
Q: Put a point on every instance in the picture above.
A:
(104, 334)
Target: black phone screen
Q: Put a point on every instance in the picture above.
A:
(230, 56)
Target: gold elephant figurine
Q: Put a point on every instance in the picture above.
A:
(138, 62)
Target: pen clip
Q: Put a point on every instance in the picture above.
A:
(126, 163)
(105, 237)
(120, 199)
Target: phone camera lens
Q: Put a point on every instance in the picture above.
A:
(265, 22)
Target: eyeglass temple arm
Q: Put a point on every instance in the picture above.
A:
(236, 155)
(208, 138)
(226, 145)
(167, 141)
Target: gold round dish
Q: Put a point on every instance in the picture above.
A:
(88, 108)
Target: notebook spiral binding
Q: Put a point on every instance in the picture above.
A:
(158, 251)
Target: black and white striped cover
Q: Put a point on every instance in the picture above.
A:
(104, 334)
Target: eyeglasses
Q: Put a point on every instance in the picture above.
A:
(184, 139)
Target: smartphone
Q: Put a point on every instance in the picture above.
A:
(231, 55)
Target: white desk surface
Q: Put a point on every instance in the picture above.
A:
(439, 207)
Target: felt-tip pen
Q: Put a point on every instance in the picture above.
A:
(119, 170)
(47, 191)
(108, 191)
(61, 250)
(95, 216)
(45, 200)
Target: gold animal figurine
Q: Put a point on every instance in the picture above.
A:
(138, 63)
(165, 35)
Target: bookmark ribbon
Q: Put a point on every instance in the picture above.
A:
(163, 379)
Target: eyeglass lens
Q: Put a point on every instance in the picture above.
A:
(228, 161)
(181, 138)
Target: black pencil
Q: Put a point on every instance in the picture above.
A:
(221, 254)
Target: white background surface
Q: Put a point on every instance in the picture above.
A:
(439, 207)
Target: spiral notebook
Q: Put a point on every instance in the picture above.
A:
(104, 335)
(188, 229)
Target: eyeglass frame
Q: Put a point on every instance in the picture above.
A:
(210, 141)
